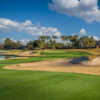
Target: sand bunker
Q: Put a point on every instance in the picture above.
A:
(95, 61)
(61, 65)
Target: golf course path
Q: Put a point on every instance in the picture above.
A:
(60, 65)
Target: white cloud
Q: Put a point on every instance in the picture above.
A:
(27, 23)
(7, 25)
(96, 38)
(24, 41)
(83, 31)
(85, 9)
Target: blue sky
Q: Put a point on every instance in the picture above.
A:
(48, 15)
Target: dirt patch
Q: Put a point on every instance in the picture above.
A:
(61, 65)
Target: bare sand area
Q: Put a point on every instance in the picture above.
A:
(60, 65)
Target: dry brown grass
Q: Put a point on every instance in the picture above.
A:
(95, 52)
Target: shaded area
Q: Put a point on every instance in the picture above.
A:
(4, 57)
(78, 60)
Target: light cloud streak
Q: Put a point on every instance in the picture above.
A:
(84, 9)
(7, 25)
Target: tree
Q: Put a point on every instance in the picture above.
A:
(30, 45)
(87, 42)
(74, 40)
(65, 40)
(92, 42)
(42, 42)
(50, 44)
(47, 40)
(17, 45)
(54, 41)
(36, 43)
(54, 37)
(8, 44)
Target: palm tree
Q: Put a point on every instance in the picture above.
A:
(64, 39)
(74, 40)
(42, 42)
(85, 42)
(47, 38)
(54, 41)
(54, 37)
(92, 42)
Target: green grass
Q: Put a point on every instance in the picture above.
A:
(31, 85)
(64, 54)
(17, 61)
(28, 85)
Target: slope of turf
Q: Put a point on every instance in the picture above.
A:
(28, 85)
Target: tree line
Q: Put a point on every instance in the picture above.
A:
(52, 42)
